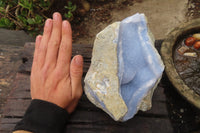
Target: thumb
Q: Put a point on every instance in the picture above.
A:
(76, 72)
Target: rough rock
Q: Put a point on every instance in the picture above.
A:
(101, 82)
(125, 68)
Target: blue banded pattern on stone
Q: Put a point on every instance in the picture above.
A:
(125, 68)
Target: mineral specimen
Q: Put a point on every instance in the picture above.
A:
(182, 50)
(197, 36)
(190, 54)
(125, 68)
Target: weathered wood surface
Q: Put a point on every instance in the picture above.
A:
(89, 119)
(10, 60)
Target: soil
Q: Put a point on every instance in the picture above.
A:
(162, 16)
(193, 9)
(97, 18)
(86, 23)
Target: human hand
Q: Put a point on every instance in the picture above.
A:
(55, 77)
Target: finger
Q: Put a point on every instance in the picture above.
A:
(37, 44)
(54, 42)
(44, 42)
(65, 50)
(38, 41)
(76, 72)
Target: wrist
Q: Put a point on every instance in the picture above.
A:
(42, 116)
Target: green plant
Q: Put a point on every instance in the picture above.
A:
(25, 15)
(71, 8)
(6, 23)
(29, 15)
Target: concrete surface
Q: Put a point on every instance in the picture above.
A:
(162, 15)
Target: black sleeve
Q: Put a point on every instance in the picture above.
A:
(43, 117)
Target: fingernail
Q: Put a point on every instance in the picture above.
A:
(38, 38)
(55, 16)
(37, 41)
(79, 60)
(65, 23)
(48, 22)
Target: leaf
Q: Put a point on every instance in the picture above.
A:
(29, 28)
(38, 19)
(45, 4)
(26, 4)
(30, 21)
(11, 2)
(2, 23)
(66, 7)
(24, 12)
(68, 15)
(27, 13)
(6, 23)
(2, 10)
(74, 8)
(69, 3)
(70, 7)
(2, 4)
(23, 19)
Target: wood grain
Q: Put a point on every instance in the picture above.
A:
(87, 118)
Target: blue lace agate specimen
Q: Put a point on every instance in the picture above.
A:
(125, 68)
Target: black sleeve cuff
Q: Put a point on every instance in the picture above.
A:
(43, 117)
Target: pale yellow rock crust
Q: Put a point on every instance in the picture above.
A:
(102, 76)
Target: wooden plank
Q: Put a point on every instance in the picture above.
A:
(81, 124)
(158, 108)
(15, 107)
(93, 114)
(87, 117)
(84, 49)
(21, 87)
(21, 92)
(22, 82)
(6, 128)
(9, 62)
(137, 125)
(158, 94)
(8, 124)
(10, 121)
